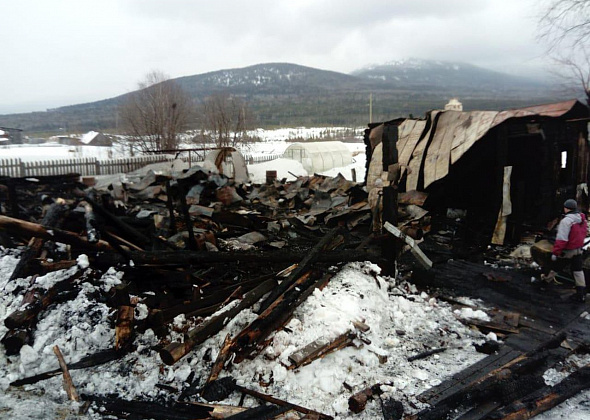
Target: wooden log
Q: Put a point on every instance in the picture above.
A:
(13, 341)
(319, 348)
(47, 266)
(262, 412)
(22, 227)
(182, 258)
(151, 410)
(22, 318)
(95, 359)
(545, 398)
(52, 219)
(273, 400)
(250, 339)
(424, 261)
(426, 353)
(482, 388)
(68, 383)
(358, 401)
(175, 351)
(222, 357)
(122, 227)
(124, 327)
(302, 267)
(222, 388)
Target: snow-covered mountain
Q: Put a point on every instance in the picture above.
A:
(284, 94)
(418, 73)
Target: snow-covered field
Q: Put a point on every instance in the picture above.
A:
(403, 322)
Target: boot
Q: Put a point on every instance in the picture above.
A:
(579, 296)
(581, 292)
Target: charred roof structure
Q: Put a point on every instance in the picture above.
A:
(507, 170)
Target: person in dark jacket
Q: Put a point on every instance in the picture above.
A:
(571, 232)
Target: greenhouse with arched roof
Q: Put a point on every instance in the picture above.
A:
(320, 156)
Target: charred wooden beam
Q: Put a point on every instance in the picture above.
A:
(52, 219)
(13, 341)
(358, 401)
(22, 318)
(144, 409)
(302, 267)
(124, 327)
(95, 359)
(262, 412)
(135, 236)
(251, 339)
(222, 388)
(222, 357)
(68, 383)
(546, 398)
(484, 388)
(22, 227)
(175, 351)
(426, 353)
(182, 258)
(319, 348)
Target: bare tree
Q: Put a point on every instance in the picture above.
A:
(225, 121)
(565, 23)
(574, 70)
(155, 114)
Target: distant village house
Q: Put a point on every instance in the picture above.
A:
(10, 136)
(92, 138)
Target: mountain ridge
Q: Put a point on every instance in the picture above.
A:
(292, 94)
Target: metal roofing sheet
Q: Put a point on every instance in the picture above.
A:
(547, 110)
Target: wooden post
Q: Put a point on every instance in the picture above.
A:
(68, 383)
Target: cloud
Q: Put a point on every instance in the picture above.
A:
(97, 49)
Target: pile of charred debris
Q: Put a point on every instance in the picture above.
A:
(191, 243)
(188, 243)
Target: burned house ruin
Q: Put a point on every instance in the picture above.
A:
(508, 171)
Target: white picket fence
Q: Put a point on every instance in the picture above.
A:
(16, 168)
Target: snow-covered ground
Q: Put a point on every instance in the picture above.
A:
(403, 322)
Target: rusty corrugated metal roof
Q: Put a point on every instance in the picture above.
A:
(556, 109)
(455, 133)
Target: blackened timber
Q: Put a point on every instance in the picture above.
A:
(95, 359)
(251, 339)
(215, 298)
(23, 318)
(124, 327)
(545, 398)
(302, 267)
(135, 236)
(319, 348)
(14, 339)
(53, 218)
(182, 258)
(175, 351)
(36, 230)
(222, 388)
(144, 409)
(276, 401)
(222, 357)
(262, 412)
(482, 388)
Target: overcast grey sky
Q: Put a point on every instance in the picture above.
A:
(63, 52)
